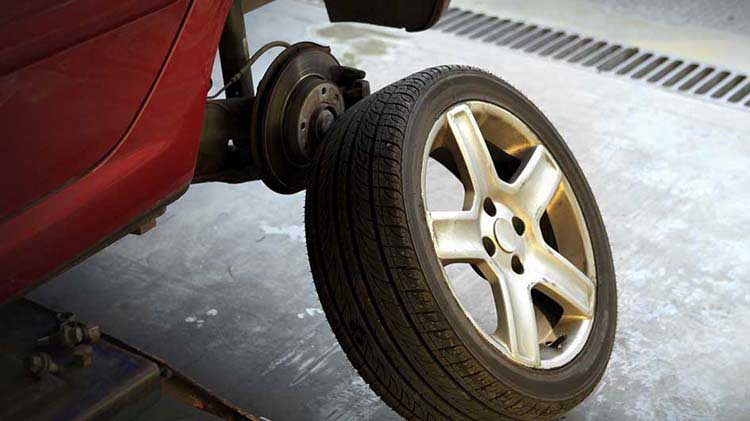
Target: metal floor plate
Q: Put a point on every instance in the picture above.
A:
(676, 74)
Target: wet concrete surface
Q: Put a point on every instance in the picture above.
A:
(222, 287)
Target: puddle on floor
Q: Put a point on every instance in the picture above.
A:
(356, 42)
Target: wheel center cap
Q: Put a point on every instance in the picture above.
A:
(506, 236)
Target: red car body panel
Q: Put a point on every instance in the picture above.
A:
(72, 177)
(71, 90)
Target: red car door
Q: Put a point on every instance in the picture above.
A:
(74, 75)
(101, 106)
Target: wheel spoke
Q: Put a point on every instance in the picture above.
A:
(565, 282)
(516, 320)
(500, 234)
(537, 182)
(457, 236)
(473, 150)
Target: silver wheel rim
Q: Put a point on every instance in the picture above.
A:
(499, 231)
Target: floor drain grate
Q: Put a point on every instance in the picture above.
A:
(680, 75)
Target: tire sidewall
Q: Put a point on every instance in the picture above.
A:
(586, 369)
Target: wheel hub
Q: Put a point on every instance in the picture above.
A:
(499, 232)
(301, 95)
(507, 237)
(311, 110)
(295, 89)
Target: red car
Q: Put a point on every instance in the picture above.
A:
(105, 121)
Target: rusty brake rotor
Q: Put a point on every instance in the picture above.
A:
(296, 102)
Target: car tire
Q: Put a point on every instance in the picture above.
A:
(380, 279)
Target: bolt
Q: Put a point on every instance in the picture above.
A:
(92, 334)
(70, 335)
(83, 355)
(323, 122)
(39, 363)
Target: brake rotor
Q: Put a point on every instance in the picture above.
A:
(295, 104)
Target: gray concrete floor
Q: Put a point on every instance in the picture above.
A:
(222, 286)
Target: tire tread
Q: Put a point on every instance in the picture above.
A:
(369, 280)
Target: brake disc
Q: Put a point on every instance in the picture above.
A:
(296, 102)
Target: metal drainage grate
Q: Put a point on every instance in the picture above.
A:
(676, 74)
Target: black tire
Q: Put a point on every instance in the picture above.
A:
(375, 269)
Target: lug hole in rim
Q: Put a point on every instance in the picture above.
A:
(516, 265)
(489, 245)
(303, 126)
(518, 225)
(489, 207)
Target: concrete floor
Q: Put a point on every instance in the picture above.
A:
(222, 286)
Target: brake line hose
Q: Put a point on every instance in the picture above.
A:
(236, 77)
